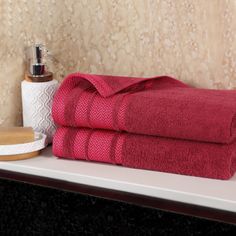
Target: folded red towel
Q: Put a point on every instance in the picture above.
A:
(147, 152)
(159, 106)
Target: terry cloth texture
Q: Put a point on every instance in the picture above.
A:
(154, 123)
(160, 106)
(146, 152)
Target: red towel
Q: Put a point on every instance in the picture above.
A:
(147, 152)
(160, 106)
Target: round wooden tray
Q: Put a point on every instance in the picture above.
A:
(19, 156)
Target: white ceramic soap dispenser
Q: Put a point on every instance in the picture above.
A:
(38, 89)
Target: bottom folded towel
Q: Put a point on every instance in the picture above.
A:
(202, 159)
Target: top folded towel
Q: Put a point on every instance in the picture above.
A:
(160, 106)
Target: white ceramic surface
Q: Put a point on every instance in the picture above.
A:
(217, 194)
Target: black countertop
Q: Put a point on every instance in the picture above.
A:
(26, 209)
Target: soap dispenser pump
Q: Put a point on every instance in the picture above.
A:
(36, 67)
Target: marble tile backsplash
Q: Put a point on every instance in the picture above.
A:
(194, 41)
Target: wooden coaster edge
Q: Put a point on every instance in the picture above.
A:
(19, 156)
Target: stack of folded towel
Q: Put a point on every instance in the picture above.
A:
(154, 123)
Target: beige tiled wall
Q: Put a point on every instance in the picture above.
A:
(194, 41)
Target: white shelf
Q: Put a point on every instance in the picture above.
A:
(218, 194)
